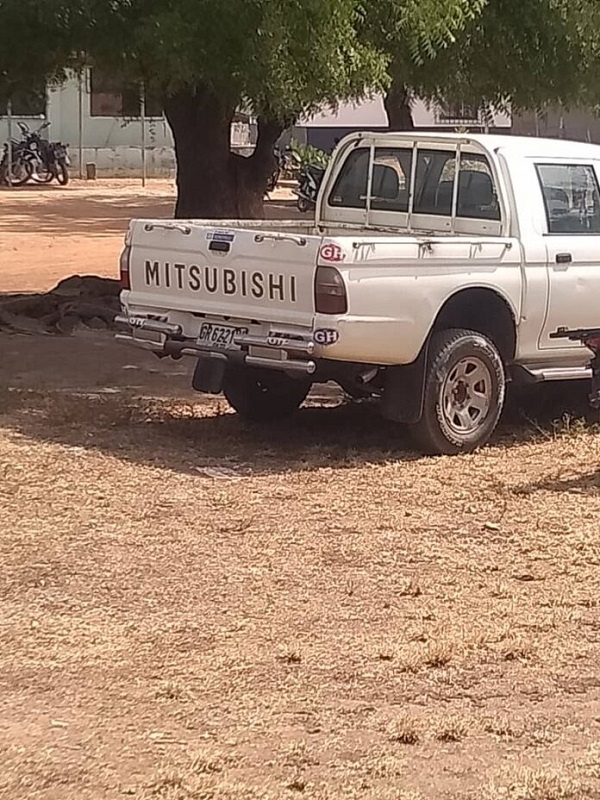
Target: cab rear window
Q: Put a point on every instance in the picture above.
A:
(433, 184)
(350, 188)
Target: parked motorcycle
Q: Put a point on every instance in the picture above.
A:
(308, 187)
(51, 158)
(34, 158)
(590, 337)
(287, 164)
(61, 161)
(17, 164)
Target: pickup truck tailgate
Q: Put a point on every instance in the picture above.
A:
(241, 273)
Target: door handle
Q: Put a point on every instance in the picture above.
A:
(564, 258)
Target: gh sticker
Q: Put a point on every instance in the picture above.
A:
(326, 336)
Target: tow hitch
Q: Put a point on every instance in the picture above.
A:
(590, 337)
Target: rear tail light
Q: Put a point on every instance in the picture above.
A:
(124, 267)
(330, 292)
(593, 344)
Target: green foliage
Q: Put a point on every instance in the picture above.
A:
(413, 32)
(307, 155)
(528, 53)
(35, 43)
(282, 58)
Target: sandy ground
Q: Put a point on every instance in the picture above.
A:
(193, 609)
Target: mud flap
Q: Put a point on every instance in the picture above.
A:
(208, 376)
(595, 393)
(404, 390)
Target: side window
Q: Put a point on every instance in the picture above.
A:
(350, 189)
(391, 179)
(477, 197)
(571, 198)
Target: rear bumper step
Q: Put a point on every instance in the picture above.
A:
(545, 374)
(281, 344)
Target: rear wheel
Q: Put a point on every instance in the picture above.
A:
(19, 174)
(263, 395)
(62, 173)
(42, 173)
(465, 388)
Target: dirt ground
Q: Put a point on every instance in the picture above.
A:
(192, 608)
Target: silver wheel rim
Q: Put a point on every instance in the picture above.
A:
(467, 395)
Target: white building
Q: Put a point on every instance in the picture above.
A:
(106, 120)
(324, 129)
(104, 117)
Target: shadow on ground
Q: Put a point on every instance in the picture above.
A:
(188, 436)
(184, 437)
(100, 215)
(588, 483)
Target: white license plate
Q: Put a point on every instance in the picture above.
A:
(219, 335)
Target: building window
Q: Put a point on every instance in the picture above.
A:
(457, 114)
(29, 103)
(114, 97)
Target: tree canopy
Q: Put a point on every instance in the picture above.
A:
(281, 59)
(36, 43)
(206, 58)
(522, 53)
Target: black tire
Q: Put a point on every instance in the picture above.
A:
(263, 395)
(303, 205)
(465, 388)
(25, 170)
(62, 173)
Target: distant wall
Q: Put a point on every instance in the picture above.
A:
(126, 161)
(123, 162)
(326, 138)
(556, 123)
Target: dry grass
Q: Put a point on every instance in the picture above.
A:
(539, 785)
(501, 725)
(453, 728)
(405, 729)
(195, 609)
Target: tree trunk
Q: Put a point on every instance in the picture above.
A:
(252, 173)
(399, 108)
(213, 182)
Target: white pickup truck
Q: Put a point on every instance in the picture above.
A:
(436, 270)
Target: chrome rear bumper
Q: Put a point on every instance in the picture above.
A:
(287, 348)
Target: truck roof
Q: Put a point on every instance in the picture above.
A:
(526, 146)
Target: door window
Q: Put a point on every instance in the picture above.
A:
(571, 198)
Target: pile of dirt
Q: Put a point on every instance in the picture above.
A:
(78, 300)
